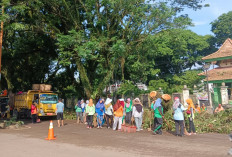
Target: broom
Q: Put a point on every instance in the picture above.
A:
(149, 129)
(169, 126)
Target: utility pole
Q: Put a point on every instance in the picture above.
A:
(1, 36)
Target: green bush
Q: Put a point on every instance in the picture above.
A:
(204, 122)
(70, 115)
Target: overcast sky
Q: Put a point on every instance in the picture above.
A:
(202, 18)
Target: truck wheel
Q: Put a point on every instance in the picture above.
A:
(16, 114)
(29, 114)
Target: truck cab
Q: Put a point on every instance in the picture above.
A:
(45, 103)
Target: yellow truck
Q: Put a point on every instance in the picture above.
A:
(46, 103)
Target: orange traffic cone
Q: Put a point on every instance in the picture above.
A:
(50, 132)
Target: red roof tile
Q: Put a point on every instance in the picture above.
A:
(218, 74)
(224, 51)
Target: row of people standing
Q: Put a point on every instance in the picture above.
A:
(115, 113)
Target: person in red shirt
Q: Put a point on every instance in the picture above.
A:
(33, 112)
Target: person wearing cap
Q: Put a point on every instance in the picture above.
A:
(128, 109)
(137, 113)
(59, 111)
(219, 108)
(33, 112)
(109, 113)
(178, 117)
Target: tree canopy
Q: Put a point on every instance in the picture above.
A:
(85, 45)
(222, 28)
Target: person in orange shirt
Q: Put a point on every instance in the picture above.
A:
(219, 108)
(197, 108)
(118, 114)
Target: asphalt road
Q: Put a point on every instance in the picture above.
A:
(75, 140)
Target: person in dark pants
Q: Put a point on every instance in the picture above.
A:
(109, 112)
(190, 112)
(128, 108)
(154, 122)
(158, 126)
(178, 117)
(158, 116)
(59, 111)
(33, 112)
(89, 119)
(90, 110)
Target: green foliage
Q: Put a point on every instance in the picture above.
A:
(97, 41)
(222, 28)
(154, 85)
(127, 88)
(204, 122)
(176, 82)
(218, 123)
(13, 121)
(70, 115)
(189, 78)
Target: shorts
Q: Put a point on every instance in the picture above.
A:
(60, 116)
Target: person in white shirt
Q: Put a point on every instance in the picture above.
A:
(137, 113)
(109, 112)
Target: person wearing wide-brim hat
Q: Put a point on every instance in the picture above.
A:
(137, 113)
(109, 112)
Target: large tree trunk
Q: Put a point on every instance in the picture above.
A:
(84, 78)
(105, 81)
(7, 77)
(122, 67)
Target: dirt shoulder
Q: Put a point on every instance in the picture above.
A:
(113, 142)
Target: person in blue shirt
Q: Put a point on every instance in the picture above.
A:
(59, 111)
(100, 110)
(178, 116)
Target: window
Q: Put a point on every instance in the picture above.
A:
(48, 98)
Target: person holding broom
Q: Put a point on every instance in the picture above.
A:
(158, 113)
(190, 112)
(158, 117)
